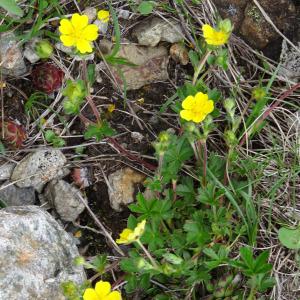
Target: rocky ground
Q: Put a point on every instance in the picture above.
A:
(53, 198)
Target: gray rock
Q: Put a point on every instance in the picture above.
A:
(91, 12)
(149, 65)
(29, 52)
(6, 170)
(12, 195)
(38, 168)
(70, 51)
(36, 255)
(124, 14)
(102, 26)
(65, 199)
(290, 61)
(151, 31)
(11, 57)
(90, 56)
(59, 46)
(121, 187)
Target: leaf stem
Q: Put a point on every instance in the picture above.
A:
(200, 66)
(153, 262)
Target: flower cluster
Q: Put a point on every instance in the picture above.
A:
(196, 108)
(102, 291)
(78, 33)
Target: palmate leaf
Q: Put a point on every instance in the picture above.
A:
(11, 7)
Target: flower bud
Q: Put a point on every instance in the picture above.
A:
(229, 104)
(79, 261)
(230, 138)
(43, 49)
(190, 127)
(259, 93)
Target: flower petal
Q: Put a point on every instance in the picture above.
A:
(214, 37)
(186, 115)
(79, 22)
(103, 15)
(201, 99)
(67, 40)
(90, 294)
(139, 229)
(124, 236)
(198, 117)
(66, 27)
(84, 46)
(115, 295)
(90, 32)
(209, 107)
(188, 102)
(102, 289)
(208, 31)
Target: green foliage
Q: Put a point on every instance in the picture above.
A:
(146, 7)
(75, 93)
(289, 237)
(53, 139)
(2, 148)
(99, 131)
(44, 49)
(72, 291)
(11, 7)
(256, 269)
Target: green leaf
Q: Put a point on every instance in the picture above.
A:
(194, 58)
(99, 263)
(11, 7)
(197, 231)
(247, 257)
(99, 131)
(211, 253)
(2, 148)
(49, 135)
(91, 74)
(173, 259)
(186, 189)
(145, 7)
(289, 238)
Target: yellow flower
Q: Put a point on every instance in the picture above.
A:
(111, 108)
(196, 108)
(102, 291)
(78, 33)
(129, 236)
(214, 37)
(103, 15)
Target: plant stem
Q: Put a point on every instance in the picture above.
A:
(202, 149)
(147, 254)
(200, 66)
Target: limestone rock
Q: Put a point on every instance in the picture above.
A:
(36, 255)
(149, 65)
(65, 199)
(38, 168)
(91, 12)
(290, 61)
(29, 51)
(121, 189)
(151, 31)
(6, 170)
(12, 195)
(11, 56)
